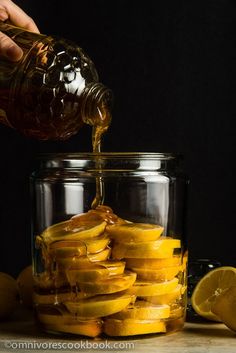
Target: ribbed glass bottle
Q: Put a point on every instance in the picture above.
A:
(53, 90)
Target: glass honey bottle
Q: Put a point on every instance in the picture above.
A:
(53, 90)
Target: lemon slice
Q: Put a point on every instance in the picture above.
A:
(177, 311)
(163, 274)
(150, 289)
(89, 329)
(75, 262)
(142, 310)
(137, 232)
(161, 248)
(54, 320)
(66, 248)
(97, 244)
(48, 314)
(110, 285)
(165, 298)
(99, 306)
(70, 248)
(55, 279)
(94, 271)
(54, 298)
(211, 286)
(89, 217)
(153, 263)
(63, 231)
(100, 256)
(114, 267)
(102, 212)
(130, 327)
(58, 297)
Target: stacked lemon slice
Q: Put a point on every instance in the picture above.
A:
(80, 280)
(151, 256)
(105, 274)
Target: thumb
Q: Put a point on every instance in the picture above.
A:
(9, 49)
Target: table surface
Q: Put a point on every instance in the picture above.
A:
(20, 334)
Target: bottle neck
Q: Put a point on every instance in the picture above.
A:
(96, 105)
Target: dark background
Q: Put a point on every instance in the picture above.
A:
(171, 66)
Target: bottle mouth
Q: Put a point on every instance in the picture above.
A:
(101, 94)
(97, 105)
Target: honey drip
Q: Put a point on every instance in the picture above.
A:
(99, 128)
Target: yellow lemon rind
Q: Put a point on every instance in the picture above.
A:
(130, 327)
(99, 306)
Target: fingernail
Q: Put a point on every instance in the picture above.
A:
(14, 53)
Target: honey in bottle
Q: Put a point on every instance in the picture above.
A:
(53, 90)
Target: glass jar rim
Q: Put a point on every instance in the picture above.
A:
(129, 161)
(109, 155)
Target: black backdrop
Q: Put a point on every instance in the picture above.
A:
(171, 66)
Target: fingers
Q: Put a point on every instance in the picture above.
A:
(17, 16)
(9, 49)
(10, 11)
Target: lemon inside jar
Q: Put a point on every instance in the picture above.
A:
(102, 274)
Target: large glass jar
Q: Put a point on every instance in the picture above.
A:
(119, 269)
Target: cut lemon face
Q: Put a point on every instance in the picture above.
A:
(150, 289)
(99, 306)
(225, 307)
(153, 263)
(209, 288)
(137, 232)
(130, 327)
(110, 285)
(164, 274)
(142, 310)
(161, 248)
(63, 231)
(165, 298)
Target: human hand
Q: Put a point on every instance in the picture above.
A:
(15, 15)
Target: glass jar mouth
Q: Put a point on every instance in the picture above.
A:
(127, 161)
(110, 155)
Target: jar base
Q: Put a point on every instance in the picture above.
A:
(172, 326)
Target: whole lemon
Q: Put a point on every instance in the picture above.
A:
(9, 295)
(25, 283)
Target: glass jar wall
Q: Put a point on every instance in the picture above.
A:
(118, 269)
